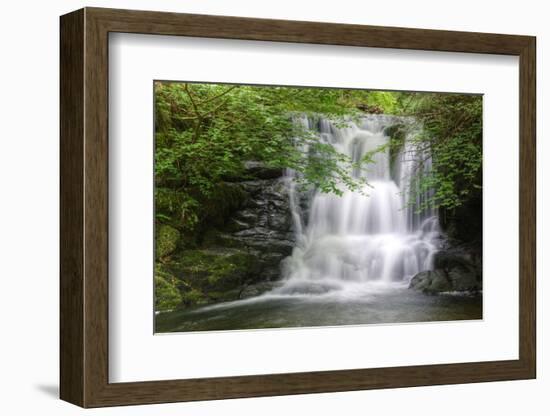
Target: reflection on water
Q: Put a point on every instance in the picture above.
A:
(324, 306)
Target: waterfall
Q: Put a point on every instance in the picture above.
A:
(372, 235)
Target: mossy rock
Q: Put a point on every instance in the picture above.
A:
(193, 297)
(166, 241)
(167, 296)
(215, 271)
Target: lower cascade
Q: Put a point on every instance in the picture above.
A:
(375, 235)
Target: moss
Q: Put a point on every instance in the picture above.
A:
(198, 277)
(166, 241)
(167, 296)
(193, 297)
(215, 270)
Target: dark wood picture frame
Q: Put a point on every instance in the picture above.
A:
(84, 207)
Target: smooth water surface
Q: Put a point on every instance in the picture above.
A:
(386, 304)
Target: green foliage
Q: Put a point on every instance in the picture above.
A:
(452, 130)
(385, 100)
(449, 135)
(204, 133)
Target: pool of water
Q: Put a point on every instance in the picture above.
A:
(355, 306)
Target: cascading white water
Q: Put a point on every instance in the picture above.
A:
(372, 235)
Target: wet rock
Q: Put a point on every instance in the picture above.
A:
(431, 282)
(237, 225)
(464, 281)
(263, 225)
(257, 289)
(462, 266)
(455, 269)
(240, 254)
(271, 264)
(262, 171)
(454, 258)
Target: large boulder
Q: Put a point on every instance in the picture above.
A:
(166, 241)
(463, 266)
(429, 281)
(455, 269)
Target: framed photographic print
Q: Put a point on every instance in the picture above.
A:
(255, 207)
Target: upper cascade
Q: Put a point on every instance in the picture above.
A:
(376, 233)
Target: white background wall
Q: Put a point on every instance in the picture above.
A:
(29, 210)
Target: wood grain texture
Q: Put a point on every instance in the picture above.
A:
(84, 207)
(96, 209)
(162, 23)
(71, 100)
(527, 207)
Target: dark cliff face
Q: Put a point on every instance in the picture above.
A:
(464, 224)
(458, 265)
(262, 226)
(238, 252)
